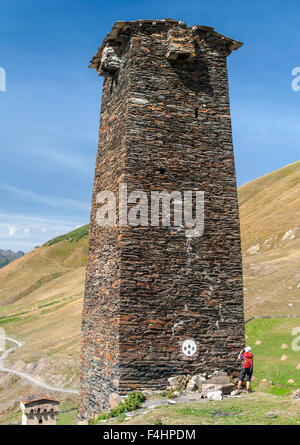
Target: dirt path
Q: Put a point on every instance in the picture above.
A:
(270, 317)
(24, 375)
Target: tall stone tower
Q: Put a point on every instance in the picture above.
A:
(158, 302)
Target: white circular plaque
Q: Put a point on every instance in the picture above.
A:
(189, 348)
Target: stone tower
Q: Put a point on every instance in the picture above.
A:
(39, 410)
(158, 302)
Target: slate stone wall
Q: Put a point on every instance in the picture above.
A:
(165, 125)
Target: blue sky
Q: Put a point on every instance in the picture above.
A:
(50, 112)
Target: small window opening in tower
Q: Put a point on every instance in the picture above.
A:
(182, 57)
(196, 112)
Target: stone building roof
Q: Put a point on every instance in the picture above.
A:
(124, 27)
(39, 399)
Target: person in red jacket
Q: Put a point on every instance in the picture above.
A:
(246, 357)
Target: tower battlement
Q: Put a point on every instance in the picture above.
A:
(180, 39)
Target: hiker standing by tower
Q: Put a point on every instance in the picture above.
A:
(246, 357)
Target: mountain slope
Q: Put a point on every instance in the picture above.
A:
(270, 206)
(45, 272)
(40, 305)
(270, 227)
(7, 256)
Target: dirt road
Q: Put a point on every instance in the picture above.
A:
(24, 375)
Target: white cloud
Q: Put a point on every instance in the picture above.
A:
(12, 230)
(22, 232)
(26, 231)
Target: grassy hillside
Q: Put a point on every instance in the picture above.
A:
(270, 207)
(270, 227)
(43, 274)
(270, 341)
(41, 304)
(75, 235)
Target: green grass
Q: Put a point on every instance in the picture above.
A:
(55, 308)
(250, 410)
(53, 301)
(208, 411)
(267, 363)
(74, 235)
(8, 320)
(278, 390)
(253, 411)
(158, 421)
(68, 413)
(13, 419)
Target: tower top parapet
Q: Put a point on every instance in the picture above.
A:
(178, 34)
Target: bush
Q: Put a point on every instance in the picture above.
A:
(132, 402)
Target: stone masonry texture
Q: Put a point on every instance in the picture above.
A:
(165, 126)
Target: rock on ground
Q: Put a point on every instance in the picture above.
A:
(209, 387)
(236, 392)
(195, 382)
(178, 382)
(215, 395)
(224, 388)
(295, 394)
(219, 380)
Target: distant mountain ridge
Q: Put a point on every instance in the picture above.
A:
(7, 256)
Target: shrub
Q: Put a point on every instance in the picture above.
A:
(132, 402)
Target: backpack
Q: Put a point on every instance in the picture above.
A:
(247, 360)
